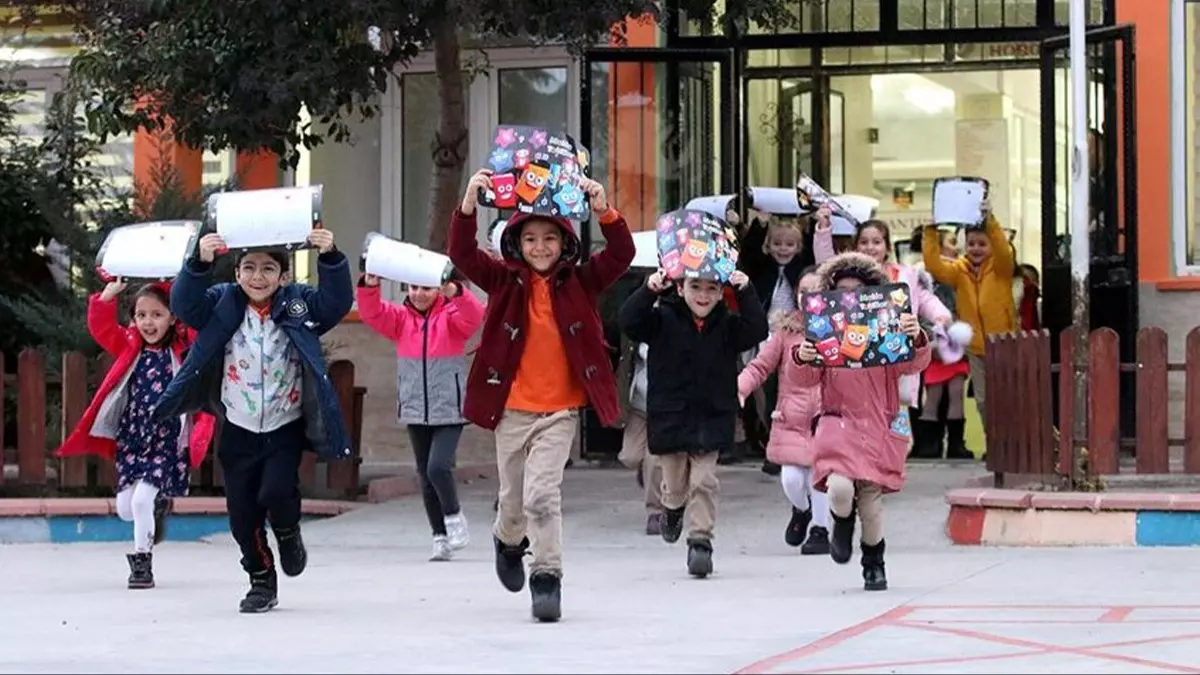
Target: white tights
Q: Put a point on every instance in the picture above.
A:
(137, 504)
(798, 486)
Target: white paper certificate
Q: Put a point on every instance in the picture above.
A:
(646, 250)
(277, 217)
(959, 200)
(155, 250)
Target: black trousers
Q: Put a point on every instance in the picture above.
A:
(262, 482)
(434, 448)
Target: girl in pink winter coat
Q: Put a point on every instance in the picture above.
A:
(790, 444)
(861, 438)
(430, 329)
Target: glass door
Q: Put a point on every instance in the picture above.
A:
(793, 124)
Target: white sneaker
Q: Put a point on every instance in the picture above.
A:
(457, 532)
(441, 549)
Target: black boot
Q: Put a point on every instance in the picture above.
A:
(263, 594)
(924, 441)
(771, 468)
(510, 564)
(672, 526)
(841, 544)
(141, 570)
(162, 506)
(874, 576)
(699, 558)
(797, 527)
(817, 542)
(293, 556)
(956, 445)
(545, 589)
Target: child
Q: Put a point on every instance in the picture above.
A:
(632, 381)
(982, 280)
(790, 444)
(1030, 307)
(861, 440)
(152, 457)
(257, 364)
(541, 358)
(430, 329)
(691, 401)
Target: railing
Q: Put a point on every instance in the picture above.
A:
(1021, 434)
(39, 471)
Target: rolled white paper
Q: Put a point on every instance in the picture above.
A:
(959, 200)
(860, 208)
(405, 263)
(774, 200)
(155, 250)
(266, 218)
(645, 246)
(713, 205)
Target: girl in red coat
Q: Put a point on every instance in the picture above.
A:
(153, 459)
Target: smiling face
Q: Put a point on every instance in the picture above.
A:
(260, 275)
(783, 243)
(422, 297)
(541, 244)
(152, 318)
(701, 296)
(979, 247)
(873, 241)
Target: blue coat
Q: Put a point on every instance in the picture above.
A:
(303, 312)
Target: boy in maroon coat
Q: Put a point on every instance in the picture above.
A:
(541, 358)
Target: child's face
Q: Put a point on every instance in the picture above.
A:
(259, 276)
(872, 243)
(784, 243)
(422, 297)
(979, 247)
(541, 244)
(950, 245)
(809, 283)
(849, 284)
(152, 318)
(701, 296)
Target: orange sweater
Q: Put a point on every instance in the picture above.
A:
(545, 381)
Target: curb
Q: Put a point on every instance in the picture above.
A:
(103, 506)
(996, 517)
(404, 484)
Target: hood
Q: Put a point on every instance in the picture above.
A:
(789, 321)
(851, 264)
(510, 245)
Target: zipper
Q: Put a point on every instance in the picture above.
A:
(458, 393)
(425, 366)
(262, 363)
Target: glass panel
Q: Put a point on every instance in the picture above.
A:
(534, 97)
(1095, 12)
(923, 14)
(779, 138)
(656, 136)
(837, 16)
(419, 117)
(997, 51)
(837, 142)
(880, 54)
(785, 58)
(1192, 96)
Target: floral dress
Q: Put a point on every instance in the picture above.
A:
(147, 450)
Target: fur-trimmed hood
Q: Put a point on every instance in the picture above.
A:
(510, 239)
(851, 264)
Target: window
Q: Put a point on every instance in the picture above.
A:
(535, 97)
(1191, 252)
(419, 114)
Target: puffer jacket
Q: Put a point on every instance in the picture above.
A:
(796, 405)
(983, 296)
(430, 351)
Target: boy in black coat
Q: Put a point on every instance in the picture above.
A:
(691, 401)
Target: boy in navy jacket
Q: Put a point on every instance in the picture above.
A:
(256, 364)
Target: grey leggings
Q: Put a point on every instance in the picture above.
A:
(434, 448)
(955, 389)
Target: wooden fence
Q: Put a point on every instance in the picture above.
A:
(1022, 437)
(39, 471)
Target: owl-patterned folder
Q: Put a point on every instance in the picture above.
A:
(536, 171)
(859, 328)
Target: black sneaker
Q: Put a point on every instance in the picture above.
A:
(841, 544)
(162, 506)
(699, 558)
(293, 556)
(797, 527)
(874, 574)
(263, 595)
(672, 527)
(817, 542)
(770, 468)
(510, 564)
(545, 590)
(141, 570)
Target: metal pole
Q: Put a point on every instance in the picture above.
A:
(1080, 217)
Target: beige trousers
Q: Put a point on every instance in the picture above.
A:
(842, 491)
(531, 451)
(634, 452)
(979, 381)
(691, 481)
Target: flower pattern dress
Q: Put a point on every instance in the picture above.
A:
(148, 450)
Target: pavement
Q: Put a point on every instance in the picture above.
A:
(370, 602)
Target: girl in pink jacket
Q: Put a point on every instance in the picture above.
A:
(861, 438)
(430, 329)
(790, 444)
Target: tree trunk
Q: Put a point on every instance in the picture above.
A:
(450, 146)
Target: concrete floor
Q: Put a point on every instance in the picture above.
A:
(370, 602)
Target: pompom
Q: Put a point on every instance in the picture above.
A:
(960, 333)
